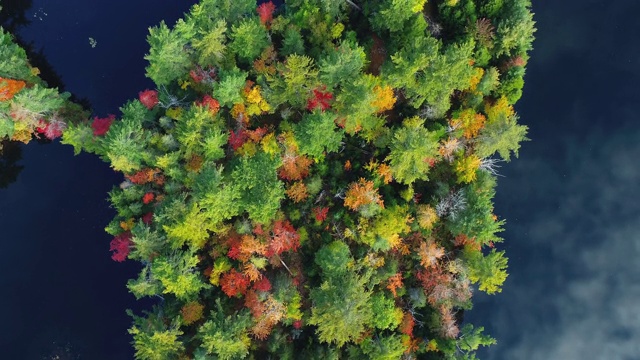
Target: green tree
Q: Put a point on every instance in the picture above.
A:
(292, 42)
(193, 228)
(125, 142)
(511, 84)
(490, 8)
(515, 28)
(476, 219)
(341, 309)
(489, 82)
(502, 135)
(211, 45)
(32, 104)
(153, 339)
(145, 284)
(15, 64)
(80, 136)
(317, 134)
(411, 147)
(6, 122)
(207, 12)
(178, 274)
(334, 259)
(385, 314)
(248, 39)
(383, 347)
(200, 133)
(385, 230)
(295, 79)
(226, 336)
(147, 242)
(393, 14)
(355, 103)
(342, 66)
(489, 271)
(168, 56)
(218, 199)
(256, 177)
(228, 90)
(457, 15)
(472, 338)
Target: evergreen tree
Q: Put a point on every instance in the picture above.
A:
(411, 148)
(177, 274)
(316, 134)
(341, 309)
(168, 58)
(225, 336)
(257, 179)
(153, 339)
(248, 39)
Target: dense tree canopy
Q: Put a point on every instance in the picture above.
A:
(313, 180)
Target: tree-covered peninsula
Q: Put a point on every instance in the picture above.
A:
(307, 181)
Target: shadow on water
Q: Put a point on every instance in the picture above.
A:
(10, 155)
(12, 18)
(13, 14)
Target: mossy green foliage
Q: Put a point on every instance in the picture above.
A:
(318, 176)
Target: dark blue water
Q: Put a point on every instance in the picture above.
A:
(571, 200)
(61, 292)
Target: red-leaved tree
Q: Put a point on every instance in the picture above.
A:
(121, 245)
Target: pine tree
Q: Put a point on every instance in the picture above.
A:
(248, 39)
(154, 340)
(210, 44)
(489, 271)
(502, 135)
(261, 190)
(342, 65)
(393, 14)
(341, 309)
(317, 134)
(15, 64)
(167, 56)
(177, 274)
(413, 144)
(295, 79)
(225, 336)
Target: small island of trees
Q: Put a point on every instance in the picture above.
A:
(313, 180)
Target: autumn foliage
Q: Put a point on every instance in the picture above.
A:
(319, 100)
(265, 10)
(307, 181)
(121, 245)
(234, 283)
(294, 167)
(191, 312)
(285, 238)
(210, 103)
(362, 193)
(148, 98)
(10, 87)
(101, 125)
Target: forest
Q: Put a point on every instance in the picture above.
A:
(312, 180)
